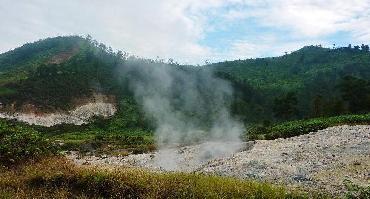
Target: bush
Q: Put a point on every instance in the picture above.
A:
(18, 143)
(300, 127)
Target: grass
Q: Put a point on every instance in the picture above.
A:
(132, 141)
(300, 127)
(56, 177)
(355, 191)
(6, 91)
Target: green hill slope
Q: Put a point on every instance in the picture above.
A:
(51, 72)
(311, 82)
(292, 71)
(315, 78)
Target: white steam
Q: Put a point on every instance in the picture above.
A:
(188, 106)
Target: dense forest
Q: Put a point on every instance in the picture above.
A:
(311, 82)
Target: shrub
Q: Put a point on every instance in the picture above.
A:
(18, 143)
(300, 127)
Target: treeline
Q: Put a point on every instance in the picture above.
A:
(351, 95)
(310, 82)
(347, 95)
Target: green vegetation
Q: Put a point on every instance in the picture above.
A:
(110, 140)
(125, 142)
(311, 82)
(355, 191)
(300, 127)
(101, 136)
(20, 143)
(6, 91)
(58, 178)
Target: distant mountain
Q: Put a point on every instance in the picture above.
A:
(60, 73)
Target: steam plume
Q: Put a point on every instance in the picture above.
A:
(189, 106)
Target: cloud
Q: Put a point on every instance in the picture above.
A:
(311, 18)
(146, 28)
(178, 29)
(284, 26)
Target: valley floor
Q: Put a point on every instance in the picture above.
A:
(321, 161)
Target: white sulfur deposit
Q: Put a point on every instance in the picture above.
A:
(78, 116)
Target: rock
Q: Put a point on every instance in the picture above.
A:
(300, 178)
(86, 163)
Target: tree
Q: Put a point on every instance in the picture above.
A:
(356, 92)
(120, 54)
(171, 61)
(317, 106)
(365, 48)
(285, 107)
(110, 50)
(88, 38)
(334, 106)
(103, 47)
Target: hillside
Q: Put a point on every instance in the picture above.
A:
(293, 70)
(51, 73)
(313, 79)
(57, 74)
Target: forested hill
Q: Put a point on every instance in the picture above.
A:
(51, 73)
(313, 81)
(310, 82)
(293, 70)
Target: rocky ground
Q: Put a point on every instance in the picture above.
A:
(320, 160)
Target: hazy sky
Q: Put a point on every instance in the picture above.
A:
(190, 31)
